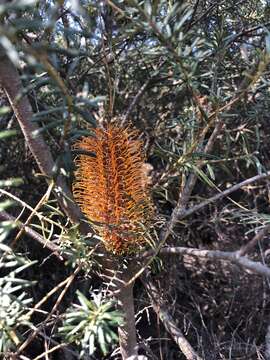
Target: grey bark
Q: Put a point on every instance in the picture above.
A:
(167, 319)
(127, 332)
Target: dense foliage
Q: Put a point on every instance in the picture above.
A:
(193, 78)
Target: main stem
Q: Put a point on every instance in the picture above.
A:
(127, 331)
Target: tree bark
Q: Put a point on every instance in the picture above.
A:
(118, 278)
(127, 332)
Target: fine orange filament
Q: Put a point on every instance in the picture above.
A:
(111, 187)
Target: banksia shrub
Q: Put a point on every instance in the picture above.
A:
(111, 187)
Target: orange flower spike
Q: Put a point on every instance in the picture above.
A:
(111, 188)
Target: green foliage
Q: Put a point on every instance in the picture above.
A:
(91, 324)
(14, 296)
(79, 248)
(82, 62)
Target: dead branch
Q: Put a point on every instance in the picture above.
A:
(232, 256)
(253, 242)
(167, 319)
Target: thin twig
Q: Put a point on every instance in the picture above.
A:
(60, 82)
(180, 208)
(253, 242)
(47, 296)
(221, 195)
(69, 354)
(38, 329)
(43, 200)
(33, 234)
(56, 347)
(248, 31)
(24, 204)
(135, 100)
(137, 97)
(211, 7)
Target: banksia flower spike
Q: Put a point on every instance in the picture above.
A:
(111, 187)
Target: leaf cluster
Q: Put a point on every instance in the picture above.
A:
(91, 324)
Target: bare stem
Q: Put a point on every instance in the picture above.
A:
(125, 299)
(120, 284)
(127, 331)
